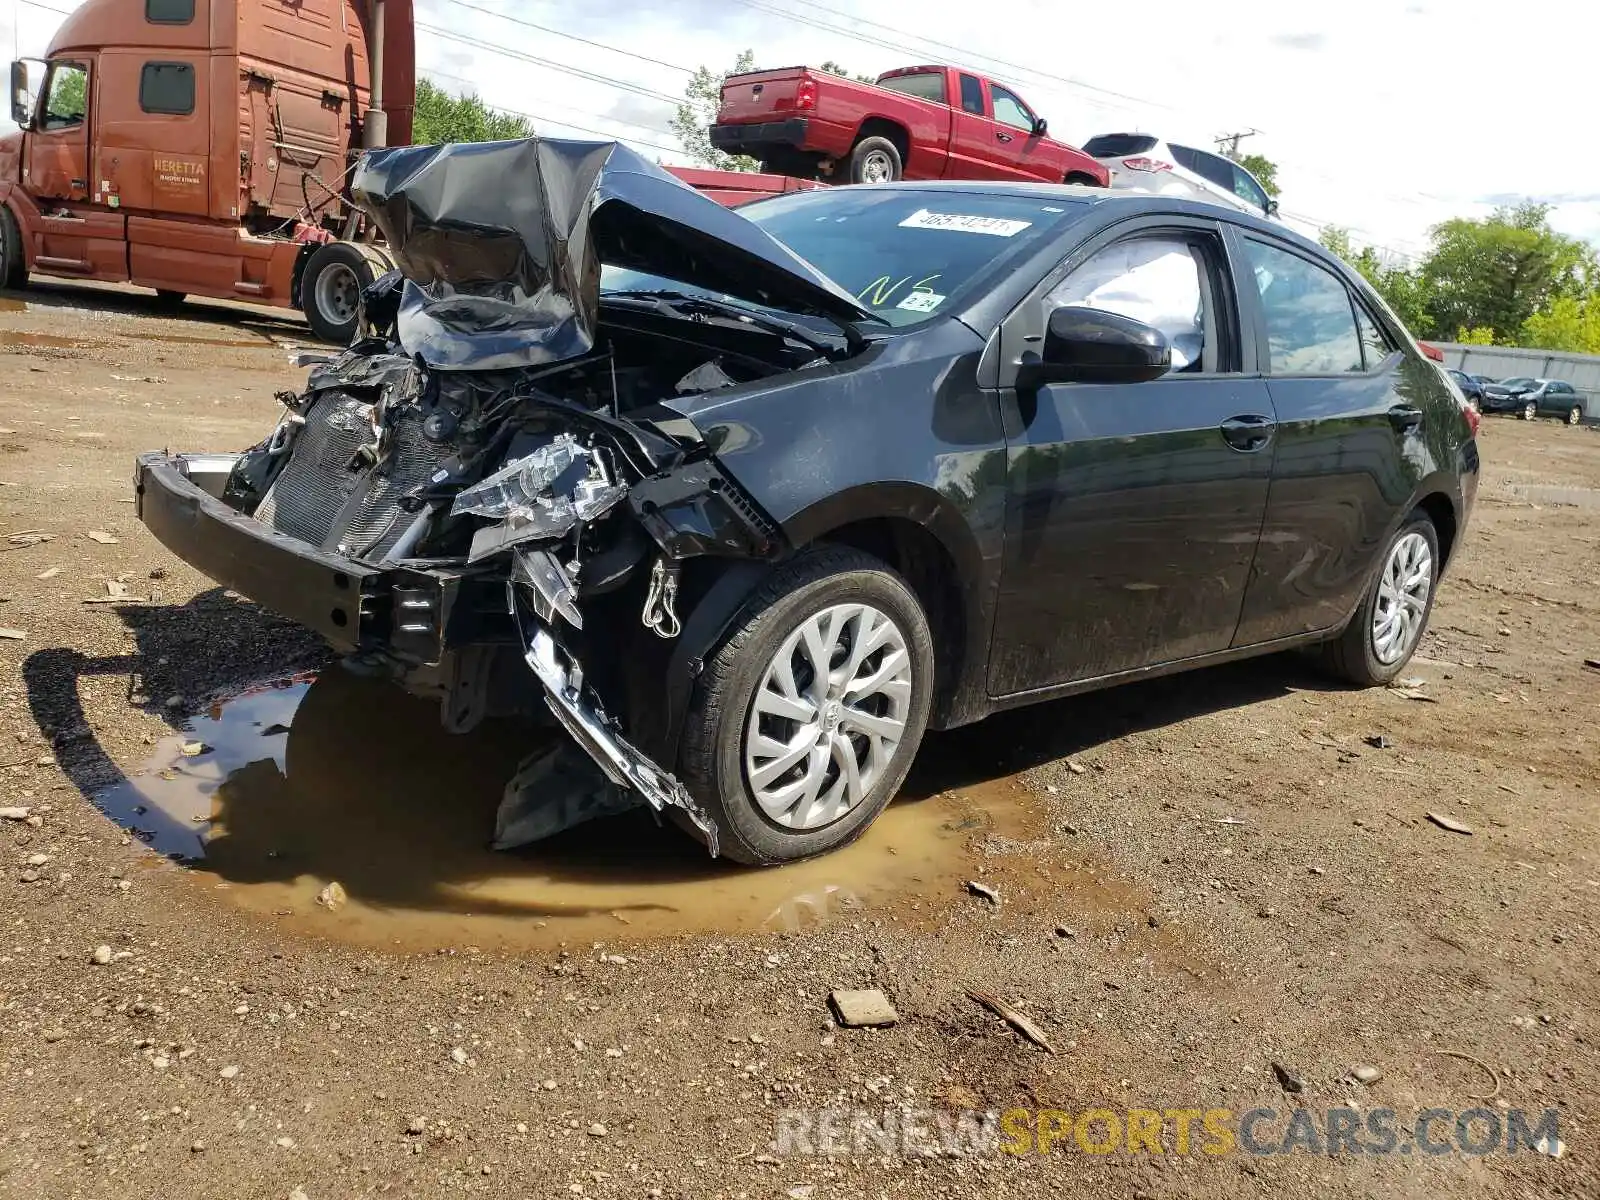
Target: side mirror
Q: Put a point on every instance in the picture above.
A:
(1272, 208)
(1040, 127)
(22, 92)
(1090, 345)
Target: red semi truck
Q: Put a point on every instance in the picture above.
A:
(928, 122)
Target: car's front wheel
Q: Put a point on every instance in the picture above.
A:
(1382, 636)
(1530, 410)
(805, 721)
(1574, 415)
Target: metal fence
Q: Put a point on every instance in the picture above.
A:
(1582, 371)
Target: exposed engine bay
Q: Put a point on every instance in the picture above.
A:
(498, 430)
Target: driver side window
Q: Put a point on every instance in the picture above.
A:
(66, 97)
(1008, 110)
(1161, 280)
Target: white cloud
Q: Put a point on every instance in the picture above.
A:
(1385, 115)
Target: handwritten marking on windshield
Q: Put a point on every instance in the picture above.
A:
(883, 289)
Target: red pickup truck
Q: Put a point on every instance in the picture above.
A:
(914, 123)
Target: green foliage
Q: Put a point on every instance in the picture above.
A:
(1478, 335)
(1498, 272)
(67, 93)
(1263, 168)
(1568, 324)
(442, 117)
(691, 124)
(833, 68)
(1402, 290)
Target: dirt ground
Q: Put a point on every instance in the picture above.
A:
(1198, 878)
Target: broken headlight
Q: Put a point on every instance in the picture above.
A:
(546, 493)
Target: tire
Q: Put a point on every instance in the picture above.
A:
(1354, 656)
(715, 757)
(1575, 415)
(875, 160)
(1085, 180)
(13, 255)
(1530, 411)
(330, 291)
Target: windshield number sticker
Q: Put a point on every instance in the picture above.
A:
(962, 223)
(922, 302)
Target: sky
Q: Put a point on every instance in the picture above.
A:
(1385, 116)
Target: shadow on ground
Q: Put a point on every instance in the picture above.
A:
(347, 778)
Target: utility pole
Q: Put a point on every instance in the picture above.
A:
(1228, 143)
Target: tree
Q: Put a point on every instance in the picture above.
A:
(833, 68)
(442, 117)
(1496, 273)
(691, 124)
(1262, 167)
(1568, 324)
(1480, 335)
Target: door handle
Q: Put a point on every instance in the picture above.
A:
(1004, 137)
(1403, 417)
(1248, 433)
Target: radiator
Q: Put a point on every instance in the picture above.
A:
(316, 485)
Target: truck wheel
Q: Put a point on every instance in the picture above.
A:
(875, 160)
(804, 722)
(1083, 178)
(13, 255)
(330, 291)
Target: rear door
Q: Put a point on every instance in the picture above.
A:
(1351, 408)
(1132, 509)
(974, 150)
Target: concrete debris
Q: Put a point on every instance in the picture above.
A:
(14, 814)
(229, 1072)
(1367, 1075)
(332, 897)
(1444, 822)
(105, 539)
(101, 956)
(862, 1009)
(13, 635)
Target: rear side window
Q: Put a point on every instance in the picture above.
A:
(925, 85)
(971, 95)
(1311, 326)
(169, 12)
(1116, 145)
(167, 87)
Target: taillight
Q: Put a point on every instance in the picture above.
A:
(1431, 351)
(1474, 417)
(1146, 164)
(805, 96)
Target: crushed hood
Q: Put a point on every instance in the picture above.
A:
(501, 244)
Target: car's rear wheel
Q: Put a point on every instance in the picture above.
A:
(875, 160)
(805, 721)
(1382, 636)
(1530, 410)
(1574, 415)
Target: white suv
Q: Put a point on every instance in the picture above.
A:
(1142, 162)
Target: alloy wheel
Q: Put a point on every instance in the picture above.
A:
(1575, 416)
(1403, 593)
(1530, 410)
(828, 715)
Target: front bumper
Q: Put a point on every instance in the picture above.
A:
(413, 615)
(750, 139)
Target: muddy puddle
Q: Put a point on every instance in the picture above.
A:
(263, 342)
(16, 339)
(310, 781)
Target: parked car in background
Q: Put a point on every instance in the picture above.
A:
(1118, 436)
(1470, 386)
(1530, 397)
(1143, 162)
(925, 122)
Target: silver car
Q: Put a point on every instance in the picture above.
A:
(1143, 162)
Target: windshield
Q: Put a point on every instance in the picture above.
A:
(907, 255)
(1519, 382)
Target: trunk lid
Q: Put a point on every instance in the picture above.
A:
(502, 243)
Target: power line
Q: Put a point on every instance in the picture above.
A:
(489, 12)
(478, 44)
(536, 117)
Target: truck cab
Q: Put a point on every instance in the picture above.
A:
(195, 147)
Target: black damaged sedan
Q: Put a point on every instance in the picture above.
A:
(749, 501)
